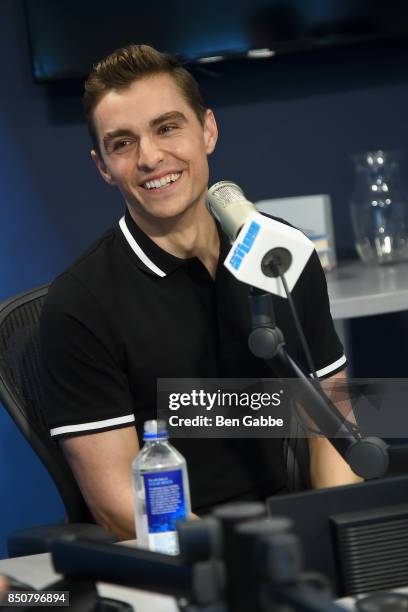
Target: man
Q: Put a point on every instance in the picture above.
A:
(152, 299)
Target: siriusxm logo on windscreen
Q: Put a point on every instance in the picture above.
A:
(245, 246)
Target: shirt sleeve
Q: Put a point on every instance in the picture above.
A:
(85, 388)
(326, 349)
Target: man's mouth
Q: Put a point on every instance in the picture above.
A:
(162, 182)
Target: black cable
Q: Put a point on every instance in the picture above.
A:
(305, 346)
(298, 326)
(349, 426)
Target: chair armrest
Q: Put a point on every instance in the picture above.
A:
(37, 540)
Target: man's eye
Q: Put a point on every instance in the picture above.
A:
(120, 144)
(167, 129)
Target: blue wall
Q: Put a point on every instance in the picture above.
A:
(52, 206)
(282, 132)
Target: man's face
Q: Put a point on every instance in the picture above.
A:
(153, 147)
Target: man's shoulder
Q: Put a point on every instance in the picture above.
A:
(313, 269)
(97, 259)
(89, 274)
(96, 253)
(289, 226)
(278, 219)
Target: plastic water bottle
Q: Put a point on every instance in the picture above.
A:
(161, 491)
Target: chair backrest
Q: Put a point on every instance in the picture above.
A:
(20, 392)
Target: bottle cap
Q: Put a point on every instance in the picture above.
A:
(154, 430)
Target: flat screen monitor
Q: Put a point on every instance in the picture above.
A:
(68, 36)
(355, 535)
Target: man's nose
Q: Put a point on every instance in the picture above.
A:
(150, 154)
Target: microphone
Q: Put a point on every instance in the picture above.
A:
(258, 242)
(227, 203)
(270, 255)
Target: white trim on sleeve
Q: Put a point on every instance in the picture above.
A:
(137, 249)
(56, 431)
(332, 367)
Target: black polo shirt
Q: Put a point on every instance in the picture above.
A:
(127, 313)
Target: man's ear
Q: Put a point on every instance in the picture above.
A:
(103, 170)
(210, 131)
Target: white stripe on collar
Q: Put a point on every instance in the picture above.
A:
(136, 248)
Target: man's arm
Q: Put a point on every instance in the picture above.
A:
(102, 466)
(101, 463)
(327, 467)
(85, 384)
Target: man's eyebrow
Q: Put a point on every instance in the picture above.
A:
(170, 116)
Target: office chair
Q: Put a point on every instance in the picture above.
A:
(20, 394)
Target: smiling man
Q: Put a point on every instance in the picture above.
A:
(157, 157)
(151, 299)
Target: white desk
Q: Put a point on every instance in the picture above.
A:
(37, 571)
(358, 290)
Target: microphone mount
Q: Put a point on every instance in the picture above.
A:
(367, 457)
(275, 262)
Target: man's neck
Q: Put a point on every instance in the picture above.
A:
(194, 234)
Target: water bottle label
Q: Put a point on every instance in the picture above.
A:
(165, 504)
(165, 542)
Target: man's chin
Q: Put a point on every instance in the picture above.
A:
(162, 212)
(165, 215)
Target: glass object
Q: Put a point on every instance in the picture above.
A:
(379, 208)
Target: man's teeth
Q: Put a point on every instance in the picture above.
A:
(165, 180)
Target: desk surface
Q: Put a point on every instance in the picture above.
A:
(37, 571)
(358, 290)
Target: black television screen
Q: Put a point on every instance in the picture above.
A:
(68, 36)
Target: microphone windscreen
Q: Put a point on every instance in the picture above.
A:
(228, 204)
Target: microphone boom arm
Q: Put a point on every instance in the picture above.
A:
(367, 457)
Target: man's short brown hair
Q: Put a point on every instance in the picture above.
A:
(125, 66)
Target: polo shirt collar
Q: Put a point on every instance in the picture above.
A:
(151, 257)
